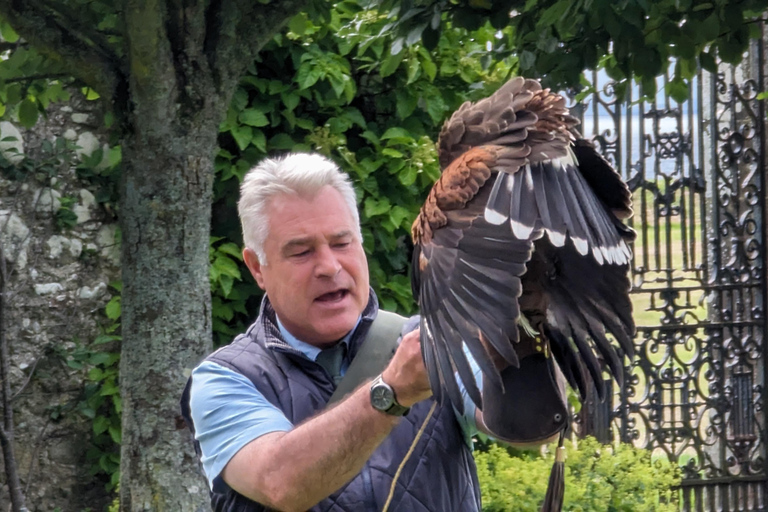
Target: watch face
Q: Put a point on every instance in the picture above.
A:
(381, 397)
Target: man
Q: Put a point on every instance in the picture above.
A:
(258, 406)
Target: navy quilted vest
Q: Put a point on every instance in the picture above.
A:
(440, 475)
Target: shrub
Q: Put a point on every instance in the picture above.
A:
(598, 478)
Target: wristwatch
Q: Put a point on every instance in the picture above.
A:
(383, 398)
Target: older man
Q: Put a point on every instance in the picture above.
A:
(258, 406)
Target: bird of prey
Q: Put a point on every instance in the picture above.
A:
(520, 254)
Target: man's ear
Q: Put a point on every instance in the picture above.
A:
(253, 264)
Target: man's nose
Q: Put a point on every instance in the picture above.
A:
(327, 263)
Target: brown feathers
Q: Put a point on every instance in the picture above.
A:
(516, 185)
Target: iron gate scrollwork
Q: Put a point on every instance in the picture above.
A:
(695, 391)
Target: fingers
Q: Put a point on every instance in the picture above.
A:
(406, 372)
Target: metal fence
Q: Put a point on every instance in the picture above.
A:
(695, 392)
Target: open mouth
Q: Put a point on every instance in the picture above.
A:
(334, 296)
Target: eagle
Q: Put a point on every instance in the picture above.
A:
(521, 256)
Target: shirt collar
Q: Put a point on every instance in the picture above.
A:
(273, 336)
(308, 350)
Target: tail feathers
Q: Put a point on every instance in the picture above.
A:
(553, 500)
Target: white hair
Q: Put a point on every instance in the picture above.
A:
(302, 174)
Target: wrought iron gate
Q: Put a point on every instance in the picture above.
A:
(695, 392)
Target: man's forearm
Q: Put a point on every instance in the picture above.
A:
(297, 469)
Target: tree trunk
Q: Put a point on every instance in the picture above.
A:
(165, 211)
(166, 314)
(184, 61)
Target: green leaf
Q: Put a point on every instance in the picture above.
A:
(731, 50)
(242, 136)
(677, 89)
(375, 207)
(427, 64)
(281, 141)
(406, 102)
(98, 358)
(298, 24)
(105, 338)
(28, 113)
(73, 363)
(393, 153)
(390, 64)
(100, 424)
(253, 117)
(226, 283)
(397, 133)
(115, 156)
(9, 35)
(527, 60)
(225, 266)
(112, 309)
(231, 249)
(710, 27)
(109, 389)
(398, 214)
(259, 140)
(116, 434)
(290, 100)
(407, 177)
(355, 116)
(414, 70)
(308, 75)
(90, 94)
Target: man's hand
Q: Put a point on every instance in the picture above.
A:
(406, 372)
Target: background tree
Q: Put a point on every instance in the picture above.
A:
(167, 70)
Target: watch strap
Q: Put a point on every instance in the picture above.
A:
(395, 409)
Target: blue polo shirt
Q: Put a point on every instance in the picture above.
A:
(229, 412)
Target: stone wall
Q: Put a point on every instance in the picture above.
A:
(58, 277)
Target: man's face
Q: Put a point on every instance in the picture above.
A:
(316, 274)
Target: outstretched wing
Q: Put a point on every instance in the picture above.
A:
(467, 280)
(510, 176)
(588, 295)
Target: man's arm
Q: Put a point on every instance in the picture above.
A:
(295, 470)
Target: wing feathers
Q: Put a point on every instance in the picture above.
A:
(511, 174)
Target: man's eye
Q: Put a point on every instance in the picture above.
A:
(341, 245)
(300, 254)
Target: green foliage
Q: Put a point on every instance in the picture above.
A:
(55, 159)
(598, 478)
(103, 179)
(64, 217)
(30, 80)
(336, 87)
(557, 39)
(229, 294)
(100, 401)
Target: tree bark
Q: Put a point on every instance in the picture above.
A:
(165, 219)
(165, 194)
